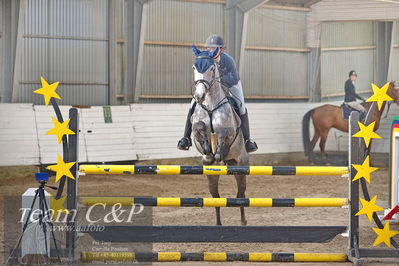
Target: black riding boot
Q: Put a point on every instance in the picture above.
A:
(250, 145)
(185, 143)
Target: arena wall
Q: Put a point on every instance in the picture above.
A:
(151, 131)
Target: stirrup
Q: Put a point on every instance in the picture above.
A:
(250, 145)
(184, 144)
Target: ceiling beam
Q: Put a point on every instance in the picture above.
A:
(244, 5)
(247, 5)
(135, 19)
(237, 11)
(311, 3)
(232, 3)
(19, 51)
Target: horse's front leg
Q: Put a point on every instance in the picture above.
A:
(199, 129)
(225, 138)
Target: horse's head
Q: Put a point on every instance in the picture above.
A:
(205, 72)
(392, 92)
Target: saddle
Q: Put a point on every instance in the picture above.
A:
(234, 104)
(346, 111)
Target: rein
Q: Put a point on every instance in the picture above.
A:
(389, 107)
(210, 112)
(206, 83)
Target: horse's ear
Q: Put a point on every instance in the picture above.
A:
(214, 52)
(196, 51)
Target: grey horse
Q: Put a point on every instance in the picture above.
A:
(216, 126)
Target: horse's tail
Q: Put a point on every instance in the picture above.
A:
(306, 133)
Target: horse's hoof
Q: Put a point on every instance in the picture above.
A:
(207, 159)
(244, 222)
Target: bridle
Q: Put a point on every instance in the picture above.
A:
(208, 85)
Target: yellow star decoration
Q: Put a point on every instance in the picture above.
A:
(384, 235)
(57, 206)
(48, 91)
(367, 133)
(364, 170)
(380, 95)
(369, 207)
(62, 169)
(60, 129)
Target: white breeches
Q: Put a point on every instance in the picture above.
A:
(238, 95)
(357, 106)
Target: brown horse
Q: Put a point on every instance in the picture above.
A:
(330, 116)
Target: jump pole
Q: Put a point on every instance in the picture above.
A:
(212, 170)
(214, 202)
(212, 256)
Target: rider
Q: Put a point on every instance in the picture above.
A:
(350, 93)
(230, 79)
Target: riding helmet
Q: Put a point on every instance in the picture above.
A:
(352, 72)
(214, 41)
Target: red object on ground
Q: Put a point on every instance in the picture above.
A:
(391, 213)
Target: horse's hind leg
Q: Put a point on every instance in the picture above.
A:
(213, 183)
(241, 187)
(323, 140)
(241, 181)
(314, 140)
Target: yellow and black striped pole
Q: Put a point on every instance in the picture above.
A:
(212, 170)
(212, 256)
(215, 202)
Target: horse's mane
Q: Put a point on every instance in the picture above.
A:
(367, 105)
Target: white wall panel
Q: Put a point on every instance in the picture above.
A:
(151, 131)
(18, 136)
(157, 129)
(107, 142)
(48, 144)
